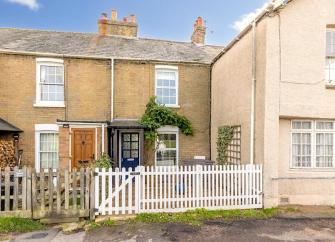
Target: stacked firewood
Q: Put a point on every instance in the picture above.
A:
(7, 154)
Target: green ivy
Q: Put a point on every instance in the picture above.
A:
(225, 136)
(157, 115)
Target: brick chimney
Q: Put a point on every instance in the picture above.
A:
(199, 32)
(116, 27)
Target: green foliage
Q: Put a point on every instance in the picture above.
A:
(157, 115)
(21, 225)
(105, 223)
(103, 162)
(225, 136)
(197, 217)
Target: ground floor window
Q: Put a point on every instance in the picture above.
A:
(167, 147)
(46, 146)
(313, 144)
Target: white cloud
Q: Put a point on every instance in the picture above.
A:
(246, 19)
(32, 4)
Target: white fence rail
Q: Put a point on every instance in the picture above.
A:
(177, 189)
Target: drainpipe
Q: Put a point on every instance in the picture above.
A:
(253, 95)
(112, 89)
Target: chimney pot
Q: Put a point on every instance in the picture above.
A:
(102, 24)
(114, 15)
(103, 16)
(125, 19)
(132, 18)
(199, 21)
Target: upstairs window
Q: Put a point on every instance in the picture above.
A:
(330, 56)
(49, 82)
(167, 85)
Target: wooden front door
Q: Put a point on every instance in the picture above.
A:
(83, 147)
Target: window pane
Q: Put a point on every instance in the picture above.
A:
(301, 149)
(134, 145)
(166, 158)
(49, 150)
(330, 69)
(330, 50)
(324, 150)
(134, 137)
(301, 125)
(166, 86)
(325, 125)
(126, 145)
(134, 154)
(126, 154)
(52, 83)
(167, 150)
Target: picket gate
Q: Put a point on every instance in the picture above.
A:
(178, 188)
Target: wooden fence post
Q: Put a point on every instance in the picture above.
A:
(16, 188)
(33, 192)
(7, 189)
(92, 195)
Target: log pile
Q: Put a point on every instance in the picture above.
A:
(7, 154)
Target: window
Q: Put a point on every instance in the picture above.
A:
(167, 147)
(167, 85)
(49, 82)
(330, 56)
(46, 146)
(313, 144)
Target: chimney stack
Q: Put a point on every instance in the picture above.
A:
(118, 27)
(199, 32)
(103, 24)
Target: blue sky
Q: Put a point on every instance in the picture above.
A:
(162, 19)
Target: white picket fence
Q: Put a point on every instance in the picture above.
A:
(177, 189)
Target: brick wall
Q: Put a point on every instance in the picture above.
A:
(134, 85)
(87, 95)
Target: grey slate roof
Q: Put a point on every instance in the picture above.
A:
(125, 124)
(7, 127)
(94, 45)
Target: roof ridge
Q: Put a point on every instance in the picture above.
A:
(114, 36)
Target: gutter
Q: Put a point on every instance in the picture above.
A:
(253, 94)
(112, 88)
(48, 54)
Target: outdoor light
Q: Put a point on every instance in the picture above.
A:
(16, 137)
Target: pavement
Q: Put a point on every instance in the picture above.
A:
(311, 224)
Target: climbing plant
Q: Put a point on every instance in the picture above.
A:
(225, 136)
(157, 115)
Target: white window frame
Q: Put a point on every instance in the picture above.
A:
(42, 128)
(327, 70)
(49, 62)
(169, 130)
(169, 68)
(313, 132)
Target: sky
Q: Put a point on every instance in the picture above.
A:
(159, 19)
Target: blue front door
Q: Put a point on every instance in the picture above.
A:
(130, 150)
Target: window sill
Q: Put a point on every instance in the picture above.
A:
(312, 169)
(49, 105)
(172, 106)
(330, 85)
